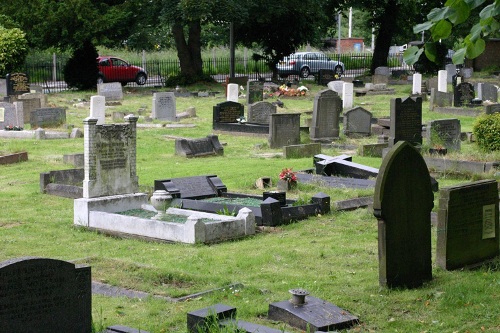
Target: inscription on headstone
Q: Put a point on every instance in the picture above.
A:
(357, 122)
(17, 84)
(406, 121)
(228, 112)
(260, 112)
(9, 116)
(284, 130)
(164, 106)
(111, 91)
(47, 117)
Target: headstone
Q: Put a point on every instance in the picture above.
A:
(9, 115)
(98, 109)
(402, 204)
(451, 69)
(463, 94)
(492, 108)
(209, 145)
(195, 187)
(442, 81)
(337, 86)
(284, 130)
(164, 106)
(17, 84)
(233, 92)
(380, 79)
(406, 121)
(228, 112)
(45, 295)
(440, 99)
(417, 84)
(326, 115)
(347, 95)
(30, 103)
(466, 72)
(110, 158)
(255, 91)
(382, 70)
(467, 230)
(111, 91)
(432, 83)
(489, 92)
(260, 112)
(301, 151)
(19, 117)
(47, 117)
(445, 132)
(325, 76)
(357, 122)
(36, 89)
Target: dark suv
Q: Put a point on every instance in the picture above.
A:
(113, 69)
(307, 63)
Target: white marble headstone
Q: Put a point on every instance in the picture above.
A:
(417, 84)
(98, 109)
(442, 81)
(347, 95)
(232, 92)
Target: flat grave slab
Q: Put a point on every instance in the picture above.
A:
(332, 181)
(208, 146)
(14, 158)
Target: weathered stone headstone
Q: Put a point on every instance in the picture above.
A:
(9, 116)
(111, 91)
(463, 94)
(440, 99)
(492, 108)
(228, 112)
(255, 91)
(233, 92)
(32, 102)
(337, 86)
(402, 204)
(303, 150)
(467, 230)
(326, 115)
(347, 95)
(432, 83)
(164, 106)
(466, 72)
(382, 70)
(19, 118)
(487, 92)
(98, 109)
(209, 145)
(284, 130)
(442, 81)
(110, 158)
(445, 132)
(417, 84)
(45, 295)
(406, 121)
(17, 84)
(380, 79)
(451, 69)
(47, 117)
(260, 112)
(357, 122)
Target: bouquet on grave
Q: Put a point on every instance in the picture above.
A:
(288, 175)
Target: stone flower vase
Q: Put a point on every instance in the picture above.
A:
(160, 200)
(284, 185)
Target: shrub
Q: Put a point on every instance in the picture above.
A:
(13, 50)
(487, 131)
(81, 70)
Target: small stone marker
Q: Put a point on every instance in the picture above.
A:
(467, 231)
(417, 84)
(402, 204)
(463, 94)
(164, 107)
(357, 122)
(255, 91)
(207, 146)
(228, 112)
(17, 84)
(233, 92)
(442, 81)
(47, 117)
(300, 151)
(326, 115)
(284, 129)
(98, 109)
(445, 132)
(260, 112)
(406, 121)
(195, 187)
(111, 91)
(45, 295)
(347, 95)
(9, 115)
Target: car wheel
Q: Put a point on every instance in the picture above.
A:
(100, 79)
(141, 79)
(338, 70)
(304, 72)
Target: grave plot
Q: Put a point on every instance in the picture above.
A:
(230, 116)
(209, 194)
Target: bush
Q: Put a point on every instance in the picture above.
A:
(183, 80)
(13, 50)
(487, 131)
(81, 70)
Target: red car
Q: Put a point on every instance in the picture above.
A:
(113, 69)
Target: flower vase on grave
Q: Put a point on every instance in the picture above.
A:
(160, 200)
(284, 185)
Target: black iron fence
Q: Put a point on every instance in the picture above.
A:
(50, 75)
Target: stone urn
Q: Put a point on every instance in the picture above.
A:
(160, 200)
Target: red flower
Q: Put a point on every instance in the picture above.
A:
(288, 175)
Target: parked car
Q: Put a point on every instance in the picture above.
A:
(307, 63)
(113, 69)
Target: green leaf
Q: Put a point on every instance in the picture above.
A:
(475, 32)
(474, 3)
(461, 13)
(459, 56)
(412, 54)
(430, 51)
(490, 11)
(441, 30)
(438, 14)
(474, 49)
(422, 27)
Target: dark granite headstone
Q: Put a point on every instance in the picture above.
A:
(467, 231)
(406, 121)
(402, 204)
(326, 115)
(44, 296)
(255, 91)
(463, 94)
(276, 195)
(260, 112)
(325, 76)
(199, 147)
(192, 187)
(228, 112)
(284, 130)
(198, 320)
(357, 122)
(445, 132)
(17, 84)
(340, 167)
(47, 117)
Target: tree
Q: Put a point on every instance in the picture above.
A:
(13, 49)
(442, 21)
(81, 69)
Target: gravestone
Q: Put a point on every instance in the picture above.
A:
(98, 109)
(47, 117)
(17, 84)
(487, 92)
(432, 83)
(164, 107)
(325, 76)
(357, 122)
(284, 130)
(380, 79)
(196, 187)
(255, 91)
(466, 72)
(32, 102)
(451, 70)
(347, 95)
(445, 132)
(493, 108)
(463, 94)
(440, 99)
(228, 112)
(337, 86)
(402, 204)
(207, 146)
(417, 84)
(233, 92)
(260, 112)
(303, 150)
(406, 121)
(9, 116)
(111, 91)
(467, 230)
(382, 70)
(442, 81)
(110, 158)
(19, 118)
(45, 296)
(326, 115)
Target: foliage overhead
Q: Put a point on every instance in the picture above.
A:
(81, 70)
(13, 50)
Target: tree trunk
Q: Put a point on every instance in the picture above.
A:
(189, 52)
(386, 30)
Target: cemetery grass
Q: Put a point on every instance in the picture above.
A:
(333, 256)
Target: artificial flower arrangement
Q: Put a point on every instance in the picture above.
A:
(288, 175)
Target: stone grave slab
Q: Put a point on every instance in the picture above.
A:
(47, 117)
(9, 116)
(382, 70)
(326, 116)
(260, 112)
(45, 295)
(208, 146)
(357, 122)
(255, 91)
(123, 329)
(343, 168)
(445, 132)
(406, 121)
(17, 84)
(98, 109)
(284, 129)
(402, 203)
(111, 91)
(13, 158)
(195, 187)
(300, 151)
(336, 182)
(380, 79)
(164, 106)
(463, 94)
(467, 231)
